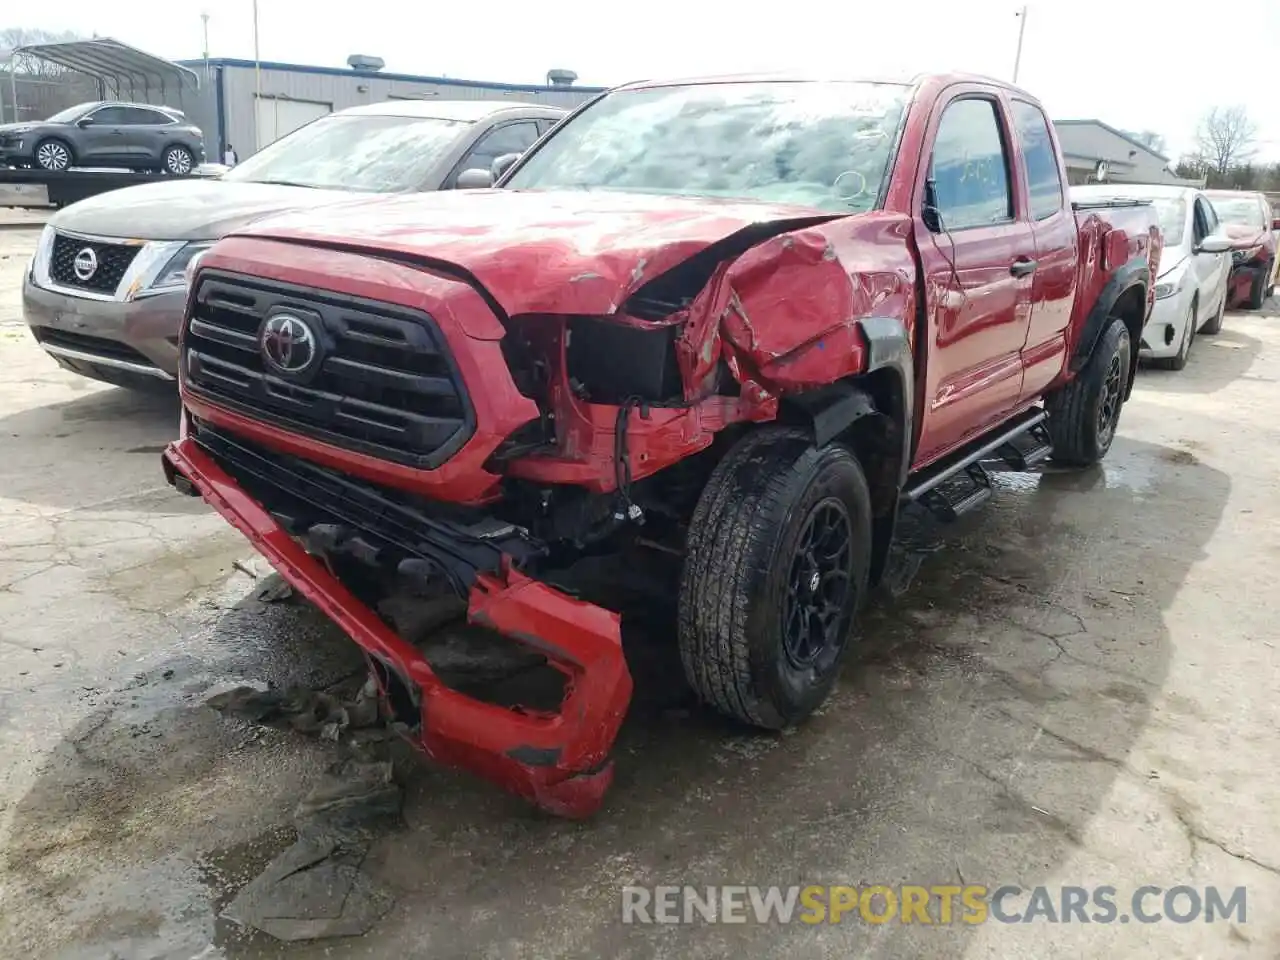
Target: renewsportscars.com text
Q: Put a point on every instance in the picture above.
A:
(936, 904)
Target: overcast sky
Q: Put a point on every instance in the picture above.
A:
(1136, 65)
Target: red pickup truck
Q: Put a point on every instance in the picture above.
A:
(735, 324)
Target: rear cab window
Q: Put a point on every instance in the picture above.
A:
(1044, 179)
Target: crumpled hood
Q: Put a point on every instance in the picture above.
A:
(573, 251)
(1243, 237)
(195, 209)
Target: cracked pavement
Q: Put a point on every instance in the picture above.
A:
(1079, 687)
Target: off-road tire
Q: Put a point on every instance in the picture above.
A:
(51, 147)
(1179, 360)
(1076, 425)
(1214, 324)
(743, 553)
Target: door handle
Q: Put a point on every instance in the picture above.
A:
(1023, 267)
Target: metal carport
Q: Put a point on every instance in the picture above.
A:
(124, 72)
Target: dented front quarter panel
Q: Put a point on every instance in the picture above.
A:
(785, 314)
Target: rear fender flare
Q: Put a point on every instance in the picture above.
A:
(1133, 275)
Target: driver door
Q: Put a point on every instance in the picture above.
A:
(978, 272)
(103, 140)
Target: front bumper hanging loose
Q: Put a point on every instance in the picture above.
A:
(558, 761)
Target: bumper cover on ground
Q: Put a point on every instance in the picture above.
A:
(558, 761)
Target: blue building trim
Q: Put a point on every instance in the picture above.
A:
(220, 99)
(221, 62)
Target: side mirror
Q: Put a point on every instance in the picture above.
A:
(84, 122)
(502, 165)
(1214, 243)
(474, 179)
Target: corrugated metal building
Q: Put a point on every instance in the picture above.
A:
(230, 110)
(1086, 143)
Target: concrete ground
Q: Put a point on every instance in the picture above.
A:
(1079, 688)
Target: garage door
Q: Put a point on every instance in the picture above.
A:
(278, 117)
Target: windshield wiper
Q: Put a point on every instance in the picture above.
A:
(286, 183)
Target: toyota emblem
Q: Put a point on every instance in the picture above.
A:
(85, 264)
(288, 344)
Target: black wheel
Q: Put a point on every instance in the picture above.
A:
(776, 567)
(1083, 415)
(1214, 323)
(1258, 289)
(178, 161)
(53, 154)
(1179, 360)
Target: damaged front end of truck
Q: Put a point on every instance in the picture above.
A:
(489, 397)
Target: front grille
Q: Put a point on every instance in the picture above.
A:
(98, 346)
(372, 523)
(385, 383)
(113, 260)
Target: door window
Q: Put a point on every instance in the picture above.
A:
(109, 115)
(510, 138)
(1044, 181)
(138, 117)
(970, 167)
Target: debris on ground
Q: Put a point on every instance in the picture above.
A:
(316, 888)
(273, 589)
(313, 712)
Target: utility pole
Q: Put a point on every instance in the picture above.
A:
(257, 62)
(1022, 28)
(204, 17)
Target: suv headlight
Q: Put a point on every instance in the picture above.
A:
(173, 275)
(44, 253)
(167, 267)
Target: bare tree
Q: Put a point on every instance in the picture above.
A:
(1225, 138)
(11, 38)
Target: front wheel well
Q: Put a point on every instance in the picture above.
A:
(867, 414)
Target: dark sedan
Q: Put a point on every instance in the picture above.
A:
(137, 136)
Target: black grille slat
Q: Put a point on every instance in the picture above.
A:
(98, 346)
(459, 545)
(113, 260)
(387, 385)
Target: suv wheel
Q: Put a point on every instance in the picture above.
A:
(776, 567)
(178, 161)
(53, 155)
(1083, 415)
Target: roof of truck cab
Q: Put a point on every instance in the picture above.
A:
(942, 79)
(1143, 190)
(462, 110)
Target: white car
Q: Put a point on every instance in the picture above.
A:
(1191, 290)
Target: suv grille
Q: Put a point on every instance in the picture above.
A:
(112, 259)
(383, 382)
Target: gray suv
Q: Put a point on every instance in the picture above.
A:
(106, 134)
(106, 289)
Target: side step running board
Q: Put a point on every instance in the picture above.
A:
(1022, 443)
